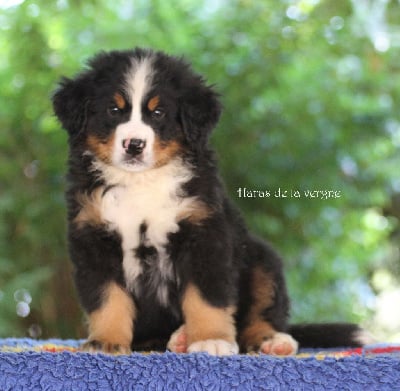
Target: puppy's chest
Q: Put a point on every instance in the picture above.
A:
(144, 213)
(141, 216)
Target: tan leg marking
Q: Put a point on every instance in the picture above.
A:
(205, 322)
(259, 335)
(254, 335)
(262, 294)
(263, 291)
(111, 326)
(90, 208)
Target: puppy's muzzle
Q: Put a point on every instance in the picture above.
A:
(134, 146)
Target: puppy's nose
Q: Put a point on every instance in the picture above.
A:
(134, 146)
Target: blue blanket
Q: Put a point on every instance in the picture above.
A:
(28, 365)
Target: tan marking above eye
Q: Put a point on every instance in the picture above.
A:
(119, 101)
(153, 103)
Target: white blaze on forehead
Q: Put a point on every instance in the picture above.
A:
(137, 83)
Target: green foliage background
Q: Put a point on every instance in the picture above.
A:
(311, 103)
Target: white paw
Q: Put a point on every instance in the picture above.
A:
(178, 341)
(281, 344)
(215, 347)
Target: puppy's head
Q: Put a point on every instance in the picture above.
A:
(137, 110)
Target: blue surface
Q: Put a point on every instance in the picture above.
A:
(169, 371)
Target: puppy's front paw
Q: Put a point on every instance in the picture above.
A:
(281, 344)
(215, 347)
(97, 346)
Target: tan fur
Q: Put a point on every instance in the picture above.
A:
(251, 338)
(90, 208)
(263, 295)
(119, 101)
(196, 213)
(101, 148)
(112, 323)
(263, 291)
(164, 152)
(203, 321)
(153, 103)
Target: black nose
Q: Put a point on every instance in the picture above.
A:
(134, 146)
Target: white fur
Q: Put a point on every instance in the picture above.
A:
(364, 337)
(137, 84)
(152, 197)
(215, 347)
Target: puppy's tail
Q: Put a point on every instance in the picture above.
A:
(330, 335)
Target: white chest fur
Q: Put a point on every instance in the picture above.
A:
(152, 198)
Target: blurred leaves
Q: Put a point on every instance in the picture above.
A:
(310, 98)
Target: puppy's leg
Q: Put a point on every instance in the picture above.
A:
(266, 317)
(208, 328)
(111, 325)
(97, 256)
(210, 290)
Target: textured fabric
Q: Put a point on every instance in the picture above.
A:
(30, 365)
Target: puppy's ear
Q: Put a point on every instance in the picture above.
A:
(200, 110)
(70, 102)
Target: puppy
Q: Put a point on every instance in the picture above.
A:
(161, 256)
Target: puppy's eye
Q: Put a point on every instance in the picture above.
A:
(158, 113)
(113, 111)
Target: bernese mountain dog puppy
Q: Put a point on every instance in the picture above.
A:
(161, 256)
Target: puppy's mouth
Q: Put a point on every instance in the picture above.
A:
(133, 160)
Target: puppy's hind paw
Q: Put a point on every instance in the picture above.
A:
(281, 344)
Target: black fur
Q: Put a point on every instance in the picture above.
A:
(217, 255)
